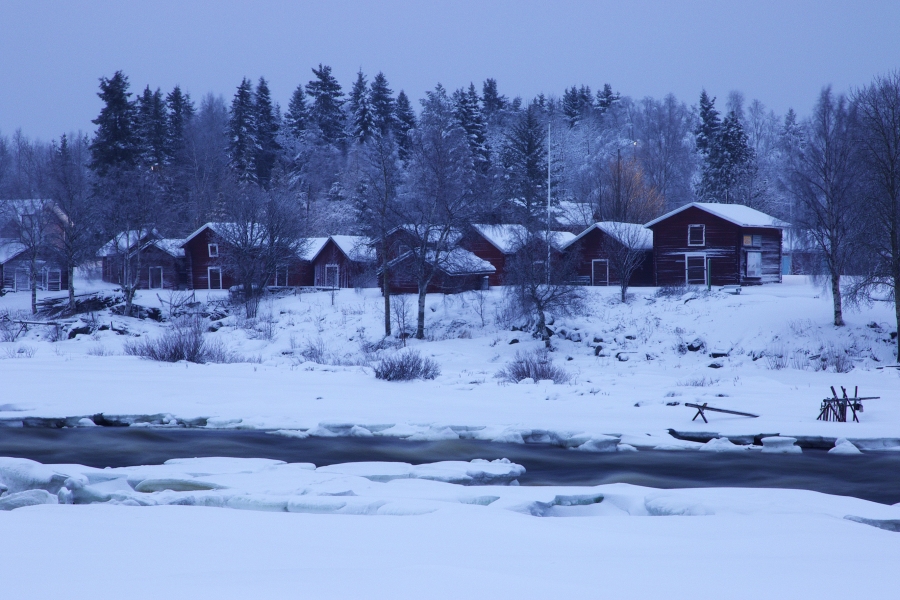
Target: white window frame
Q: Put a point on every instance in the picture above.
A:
(213, 250)
(150, 278)
(703, 236)
(57, 282)
(702, 255)
(209, 271)
(281, 274)
(593, 270)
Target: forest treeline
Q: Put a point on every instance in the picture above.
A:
(364, 159)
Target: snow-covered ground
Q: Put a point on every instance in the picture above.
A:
(388, 530)
(635, 385)
(446, 530)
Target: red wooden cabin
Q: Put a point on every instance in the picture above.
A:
(725, 244)
(593, 246)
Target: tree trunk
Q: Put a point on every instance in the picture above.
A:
(33, 294)
(71, 274)
(623, 287)
(897, 301)
(836, 296)
(386, 287)
(542, 328)
(420, 318)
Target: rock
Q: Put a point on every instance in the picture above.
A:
(86, 422)
(79, 328)
(27, 498)
(715, 365)
(621, 357)
(597, 350)
(215, 326)
(574, 336)
(514, 341)
(721, 445)
(780, 445)
(598, 340)
(719, 353)
(697, 345)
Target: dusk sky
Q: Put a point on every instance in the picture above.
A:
(52, 53)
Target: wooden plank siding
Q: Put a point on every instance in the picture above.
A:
(196, 251)
(174, 269)
(350, 273)
(478, 245)
(590, 247)
(722, 246)
(403, 280)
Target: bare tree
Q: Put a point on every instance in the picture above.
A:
(262, 231)
(878, 108)
(73, 239)
(825, 184)
(30, 220)
(437, 200)
(536, 286)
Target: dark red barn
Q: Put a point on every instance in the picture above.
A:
(603, 246)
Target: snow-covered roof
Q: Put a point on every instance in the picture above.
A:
(311, 248)
(506, 238)
(10, 250)
(434, 233)
(631, 235)
(740, 215)
(171, 246)
(356, 247)
(455, 262)
(561, 239)
(125, 241)
(216, 227)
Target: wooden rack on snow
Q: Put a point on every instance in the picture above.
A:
(702, 407)
(835, 408)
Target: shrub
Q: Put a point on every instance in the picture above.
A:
(315, 351)
(182, 341)
(536, 364)
(406, 365)
(776, 358)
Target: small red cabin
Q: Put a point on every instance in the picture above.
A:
(344, 261)
(722, 244)
(600, 247)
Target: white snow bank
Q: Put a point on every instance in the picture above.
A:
(777, 444)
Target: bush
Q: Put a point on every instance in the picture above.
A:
(536, 364)
(182, 341)
(406, 365)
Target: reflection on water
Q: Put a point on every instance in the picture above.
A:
(872, 476)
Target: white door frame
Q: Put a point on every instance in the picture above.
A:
(337, 274)
(599, 260)
(150, 278)
(209, 271)
(694, 255)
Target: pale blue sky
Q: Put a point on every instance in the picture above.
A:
(52, 52)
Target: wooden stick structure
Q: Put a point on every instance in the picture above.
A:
(835, 408)
(702, 407)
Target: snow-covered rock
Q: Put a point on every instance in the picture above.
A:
(721, 445)
(844, 446)
(780, 445)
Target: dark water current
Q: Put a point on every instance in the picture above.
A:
(872, 476)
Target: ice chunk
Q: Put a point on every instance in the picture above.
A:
(27, 498)
(599, 443)
(86, 422)
(357, 431)
(20, 474)
(291, 433)
(665, 505)
(434, 435)
(777, 444)
(721, 445)
(175, 485)
(626, 448)
(844, 446)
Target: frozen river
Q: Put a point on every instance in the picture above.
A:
(870, 476)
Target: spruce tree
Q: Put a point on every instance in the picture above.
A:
(606, 98)
(266, 129)
(524, 158)
(115, 143)
(297, 117)
(405, 120)
(381, 98)
(152, 128)
(242, 133)
(491, 100)
(707, 131)
(362, 120)
(571, 105)
(327, 102)
(468, 114)
(180, 112)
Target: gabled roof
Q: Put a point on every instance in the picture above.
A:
(311, 248)
(356, 247)
(455, 262)
(216, 227)
(171, 246)
(126, 241)
(631, 235)
(9, 250)
(742, 216)
(505, 238)
(433, 233)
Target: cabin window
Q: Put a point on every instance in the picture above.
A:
(696, 235)
(753, 241)
(754, 264)
(215, 278)
(155, 279)
(599, 272)
(213, 250)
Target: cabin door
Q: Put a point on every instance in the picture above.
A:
(600, 272)
(54, 280)
(215, 278)
(281, 277)
(695, 269)
(754, 264)
(331, 276)
(155, 280)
